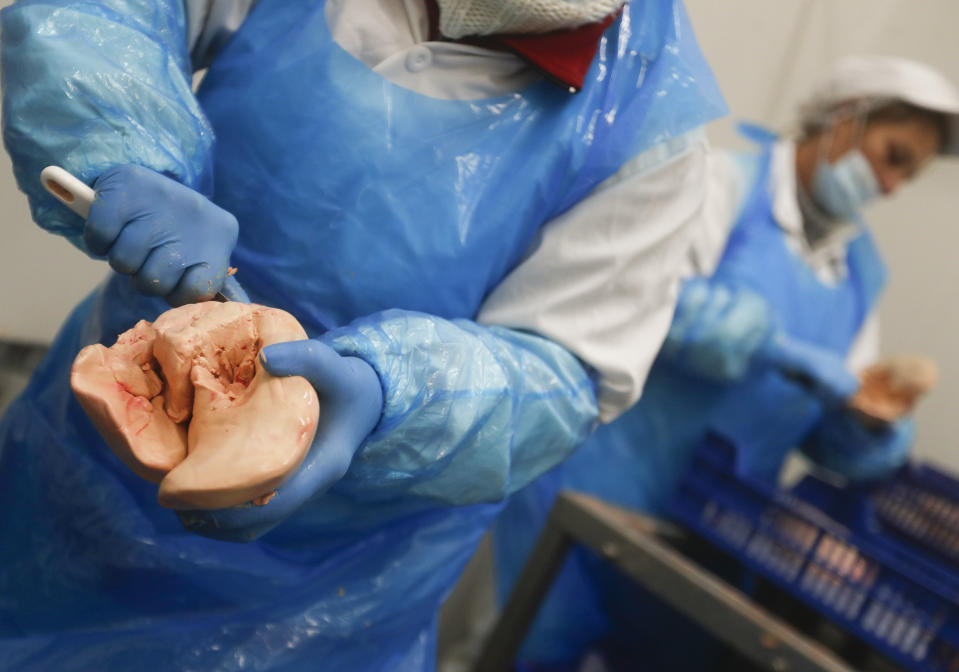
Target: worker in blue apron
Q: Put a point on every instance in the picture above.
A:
(379, 183)
(757, 352)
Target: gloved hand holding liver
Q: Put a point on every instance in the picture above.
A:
(892, 387)
(186, 403)
(352, 397)
(843, 444)
(873, 436)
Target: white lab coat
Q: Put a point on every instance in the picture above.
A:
(603, 278)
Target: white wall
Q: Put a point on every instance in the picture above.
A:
(766, 55)
(41, 276)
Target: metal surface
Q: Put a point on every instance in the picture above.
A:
(533, 583)
(634, 544)
(17, 362)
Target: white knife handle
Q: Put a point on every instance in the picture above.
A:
(68, 190)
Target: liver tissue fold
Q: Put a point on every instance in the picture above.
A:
(184, 402)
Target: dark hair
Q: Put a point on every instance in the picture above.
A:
(895, 111)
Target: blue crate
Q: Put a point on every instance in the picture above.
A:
(900, 515)
(921, 505)
(902, 604)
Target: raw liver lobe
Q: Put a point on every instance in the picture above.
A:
(214, 429)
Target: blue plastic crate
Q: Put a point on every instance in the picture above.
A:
(921, 504)
(903, 605)
(891, 516)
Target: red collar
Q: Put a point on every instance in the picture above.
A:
(564, 55)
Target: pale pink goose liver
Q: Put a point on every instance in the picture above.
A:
(214, 429)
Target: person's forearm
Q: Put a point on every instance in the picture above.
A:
(471, 413)
(92, 85)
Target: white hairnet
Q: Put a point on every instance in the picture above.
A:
(459, 18)
(881, 79)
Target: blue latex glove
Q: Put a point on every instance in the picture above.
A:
(820, 370)
(717, 331)
(841, 443)
(351, 402)
(173, 241)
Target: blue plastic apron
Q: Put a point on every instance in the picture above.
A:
(353, 195)
(637, 460)
(404, 200)
(767, 415)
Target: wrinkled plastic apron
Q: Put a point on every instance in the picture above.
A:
(370, 196)
(353, 195)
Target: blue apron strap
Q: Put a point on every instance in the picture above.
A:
(757, 168)
(759, 134)
(866, 264)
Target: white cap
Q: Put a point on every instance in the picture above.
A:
(887, 78)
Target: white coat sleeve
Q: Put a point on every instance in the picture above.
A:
(865, 348)
(602, 279)
(729, 181)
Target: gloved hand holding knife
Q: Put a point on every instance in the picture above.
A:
(821, 371)
(722, 333)
(171, 240)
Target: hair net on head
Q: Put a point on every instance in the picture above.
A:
(879, 79)
(459, 18)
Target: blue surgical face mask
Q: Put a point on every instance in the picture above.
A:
(842, 188)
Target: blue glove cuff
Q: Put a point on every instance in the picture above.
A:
(842, 444)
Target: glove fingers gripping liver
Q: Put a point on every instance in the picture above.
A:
(185, 403)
